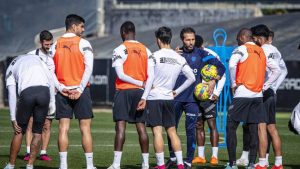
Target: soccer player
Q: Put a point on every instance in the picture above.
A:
(160, 108)
(131, 61)
(185, 101)
(46, 40)
(273, 58)
(247, 67)
(73, 59)
(30, 77)
(273, 80)
(209, 116)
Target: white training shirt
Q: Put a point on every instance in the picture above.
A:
(239, 55)
(119, 57)
(220, 85)
(276, 68)
(46, 57)
(88, 56)
(168, 66)
(27, 71)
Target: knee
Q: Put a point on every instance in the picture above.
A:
(63, 129)
(120, 131)
(271, 129)
(200, 125)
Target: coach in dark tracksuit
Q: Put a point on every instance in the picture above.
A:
(197, 59)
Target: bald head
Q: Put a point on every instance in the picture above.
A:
(244, 35)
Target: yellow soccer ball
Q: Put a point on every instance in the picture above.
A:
(201, 92)
(209, 72)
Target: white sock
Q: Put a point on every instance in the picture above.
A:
(145, 159)
(278, 160)
(178, 155)
(262, 162)
(63, 160)
(201, 151)
(28, 149)
(10, 166)
(89, 160)
(29, 166)
(160, 159)
(215, 152)
(43, 152)
(267, 157)
(245, 155)
(117, 159)
(173, 158)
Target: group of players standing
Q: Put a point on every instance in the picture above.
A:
(151, 90)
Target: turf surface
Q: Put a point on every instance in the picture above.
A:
(103, 136)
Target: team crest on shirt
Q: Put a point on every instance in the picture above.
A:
(193, 58)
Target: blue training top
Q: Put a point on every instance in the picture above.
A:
(196, 59)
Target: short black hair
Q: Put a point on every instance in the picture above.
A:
(198, 41)
(45, 35)
(186, 30)
(260, 30)
(164, 34)
(272, 34)
(127, 27)
(73, 19)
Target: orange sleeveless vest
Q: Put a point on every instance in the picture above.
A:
(135, 65)
(251, 72)
(69, 61)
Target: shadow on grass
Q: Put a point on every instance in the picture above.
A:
(292, 166)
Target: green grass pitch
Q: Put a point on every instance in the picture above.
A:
(103, 137)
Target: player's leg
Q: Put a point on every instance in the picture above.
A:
(28, 138)
(244, 159)
(84, 113)
(192, 112)
(158, 143)
(200, 138)
(122, 102)
(64, 113)
(87, 141)
(45, 140)
(253, 146)
(270, 105)
(144, 143)
(231, 140)
(41, 105)
(214, 140)
(169, 123)
(15, 148)
(262, 132)
(22, 120)
(178, 110)
(176, 145)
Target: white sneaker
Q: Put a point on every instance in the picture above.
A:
(268, 165)
(145, 166)
(8, 166)
(112, 167)
(242, 162)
